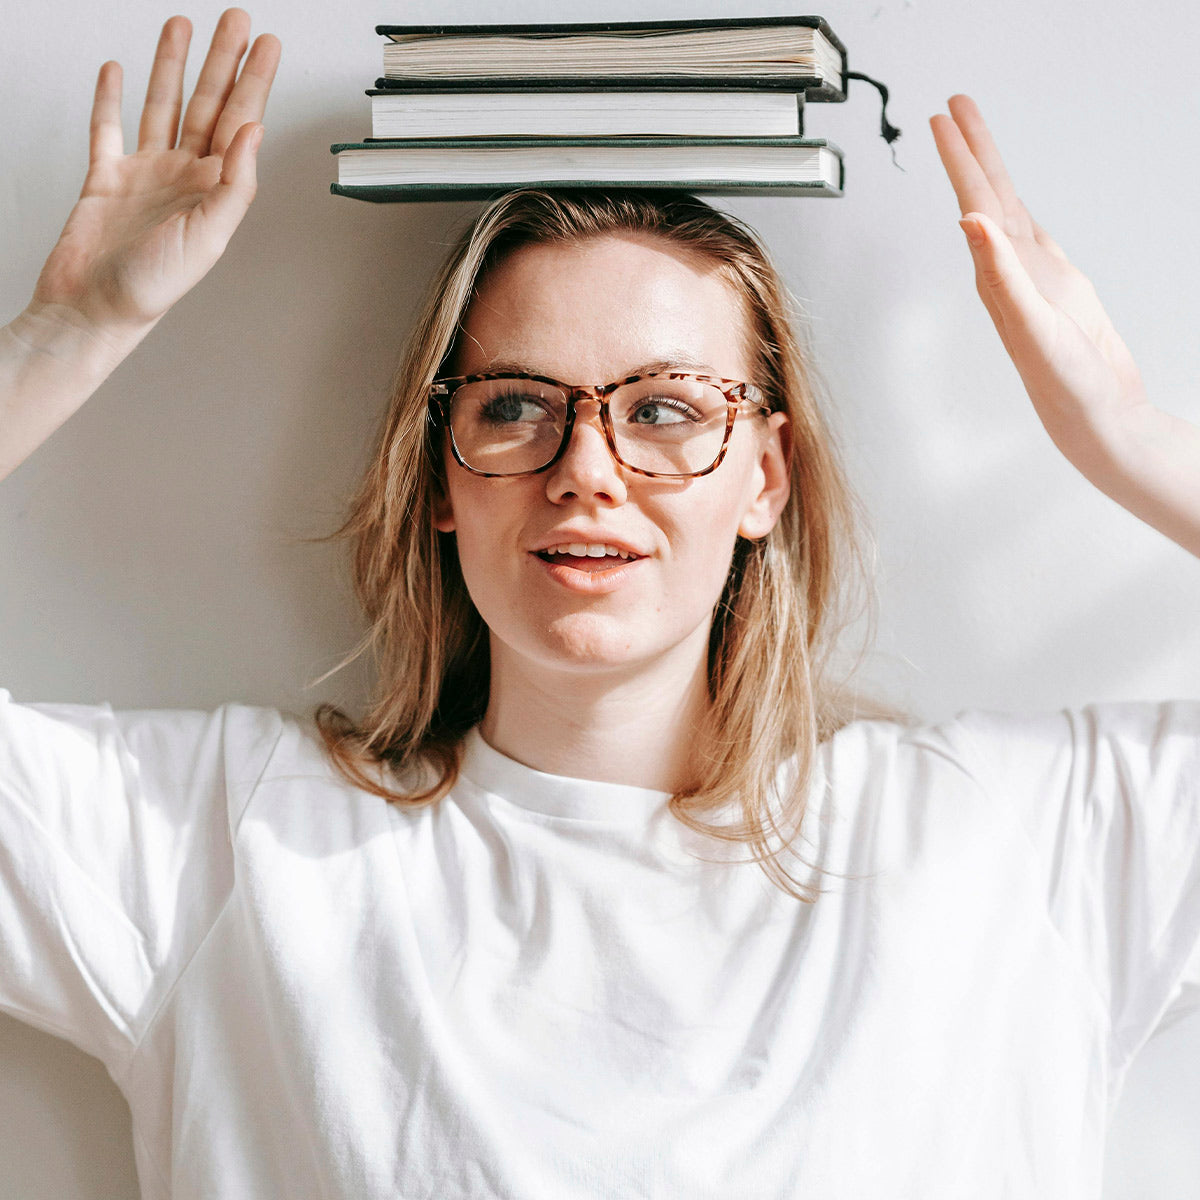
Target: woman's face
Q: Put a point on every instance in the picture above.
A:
(594, 312)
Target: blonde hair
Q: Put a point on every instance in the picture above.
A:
(774, 627)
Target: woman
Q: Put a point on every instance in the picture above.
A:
(601, 613)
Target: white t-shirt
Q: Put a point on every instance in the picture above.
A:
(532, 991)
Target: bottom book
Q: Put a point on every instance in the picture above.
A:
(468, 168)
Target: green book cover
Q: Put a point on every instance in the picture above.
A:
(416, 192)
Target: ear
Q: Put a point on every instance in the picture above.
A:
(773, 479)
(443, 510)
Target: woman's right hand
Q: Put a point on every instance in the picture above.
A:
(147, 227)
(150, 224)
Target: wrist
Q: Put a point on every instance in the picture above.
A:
(62, 333)
(51, 360)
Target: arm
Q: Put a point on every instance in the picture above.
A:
(147, 227)
(1083, 382)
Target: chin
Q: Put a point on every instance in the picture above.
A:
(596, 643)
(589, 640)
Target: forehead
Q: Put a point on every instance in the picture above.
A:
(596, 310)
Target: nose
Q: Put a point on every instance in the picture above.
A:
(587, 469)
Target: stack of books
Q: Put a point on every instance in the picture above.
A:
(710, 106)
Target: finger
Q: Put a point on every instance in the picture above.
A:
(989, 303)
(105, 139)
(248, 100)
(974, 130)
(1020, 313)
(216, 80)
(164, 93)
(972, 188)
(983, 285)
(222, 210)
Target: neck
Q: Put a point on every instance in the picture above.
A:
(632, 725)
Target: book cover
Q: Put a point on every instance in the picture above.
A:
(588, 83)
(401, 193)
(562, 28)
(809, 87)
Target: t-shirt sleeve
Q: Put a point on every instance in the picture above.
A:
(1109, 798)
(116, 857)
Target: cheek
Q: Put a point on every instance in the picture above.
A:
(484, 573)
(485, 517)
(469, 518)
(719, 511)
(466, 499)
(704, 538)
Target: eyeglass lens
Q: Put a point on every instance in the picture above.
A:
(669, 426)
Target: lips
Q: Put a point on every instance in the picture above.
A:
(578, 543)
(589, 568)
(588, 561)
(587, 555)
(584, 562)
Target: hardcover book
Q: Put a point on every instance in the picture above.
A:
(420, 169)
(462, 112)
(800, 54)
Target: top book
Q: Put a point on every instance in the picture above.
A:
(800, 54)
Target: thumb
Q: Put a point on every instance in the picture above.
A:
(239, 166)
(1021, 313)
(223, 208)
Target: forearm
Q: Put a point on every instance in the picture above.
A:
(51, 361)
(1149, 463)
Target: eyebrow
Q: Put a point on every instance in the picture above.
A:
(681, 363)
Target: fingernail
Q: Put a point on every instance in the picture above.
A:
(256, 138)
(973, 230)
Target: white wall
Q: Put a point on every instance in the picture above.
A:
(151, 553)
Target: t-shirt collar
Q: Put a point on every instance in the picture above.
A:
(556, 795)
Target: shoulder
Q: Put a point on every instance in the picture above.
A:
(978, 742)
(1093, 767)
(291, 791)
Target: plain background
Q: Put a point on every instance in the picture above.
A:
(153, 553)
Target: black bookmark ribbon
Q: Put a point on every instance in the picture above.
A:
(887, 130)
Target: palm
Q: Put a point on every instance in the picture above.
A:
(150, 224)
(130, 247)
(1078, 373)
(1076, 368)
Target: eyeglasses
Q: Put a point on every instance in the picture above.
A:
(669, 424)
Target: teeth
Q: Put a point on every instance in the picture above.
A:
(588, 550)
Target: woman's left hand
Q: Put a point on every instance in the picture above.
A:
(1079, 374)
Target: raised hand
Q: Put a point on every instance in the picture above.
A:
(1079, 374)
(148, 225)
(146, 228)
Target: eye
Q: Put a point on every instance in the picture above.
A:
(512, 407)
(662, 410)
